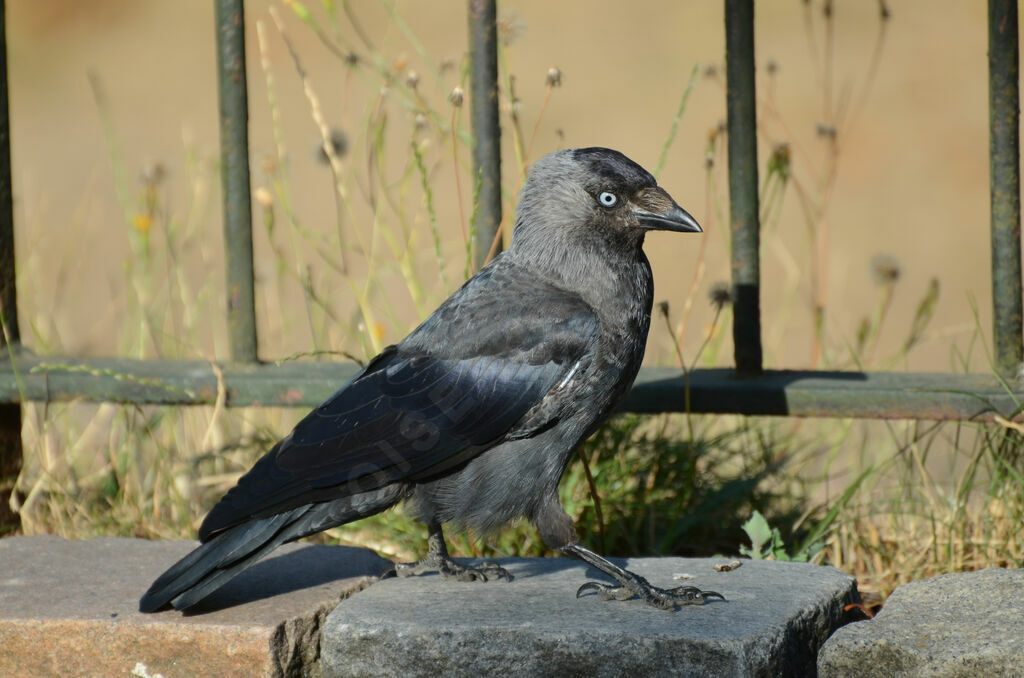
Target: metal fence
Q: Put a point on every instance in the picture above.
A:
(746, 389)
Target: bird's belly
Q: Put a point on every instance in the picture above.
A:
(509, 481)
(516, 478)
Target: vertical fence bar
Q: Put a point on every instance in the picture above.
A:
(1004, 167)
(743, 202)
(234, 157)
(483, 102)
(10, 415)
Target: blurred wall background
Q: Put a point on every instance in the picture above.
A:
(884, 121)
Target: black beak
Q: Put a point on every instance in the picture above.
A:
(675, 218)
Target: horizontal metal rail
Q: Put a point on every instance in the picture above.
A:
(877, 395)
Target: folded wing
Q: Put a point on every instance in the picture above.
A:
(458, 385)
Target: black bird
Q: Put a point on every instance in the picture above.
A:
(473, 417)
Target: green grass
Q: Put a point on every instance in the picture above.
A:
(887, 501)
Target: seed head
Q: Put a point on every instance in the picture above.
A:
(152, 173)
(339, 144)
(510, 27)
(885, 269)
(720, 294)
(264, 197)
(779, 160)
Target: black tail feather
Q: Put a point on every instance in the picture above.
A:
(212, 564)
(226, 554)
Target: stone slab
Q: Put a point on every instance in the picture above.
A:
(69, 608)
(775, 618)
(955, 625)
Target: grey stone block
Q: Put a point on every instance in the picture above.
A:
(955, 625)
(69, 608)
(775, 618)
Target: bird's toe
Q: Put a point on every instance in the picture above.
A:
(449, 569)
(691, 595)
(605, 591)
(494, 571)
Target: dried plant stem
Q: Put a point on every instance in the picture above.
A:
(536, 126)
(700, 270)
(458, 180)
(337, 170)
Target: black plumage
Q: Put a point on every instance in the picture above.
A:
(472, 418)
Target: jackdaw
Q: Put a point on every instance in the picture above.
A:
(473, 417)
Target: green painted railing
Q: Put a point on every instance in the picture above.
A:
(747, 389)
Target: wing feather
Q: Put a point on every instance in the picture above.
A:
(456, 386)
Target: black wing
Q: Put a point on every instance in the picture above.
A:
(456, 386)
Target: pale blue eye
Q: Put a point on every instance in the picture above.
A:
(608, 199)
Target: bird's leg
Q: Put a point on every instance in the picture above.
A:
(438, 560)
(632, 585)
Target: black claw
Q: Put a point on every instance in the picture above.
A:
(692, 593)
(590, 586)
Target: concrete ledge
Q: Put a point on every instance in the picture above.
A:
(776, 617)
(958, 625)
(68, 608)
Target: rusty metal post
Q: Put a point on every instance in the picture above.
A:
(483, 102)
(10, 415)
(234, 156)
(1004, 167)
(743, 201)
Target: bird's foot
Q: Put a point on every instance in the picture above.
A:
(638, 587)
(632, 585)
(449, 569)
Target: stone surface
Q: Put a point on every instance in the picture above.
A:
(966, 624)
(69, 608)
(775, 618)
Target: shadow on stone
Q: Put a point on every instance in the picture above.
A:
(309, 567)
(70, 608)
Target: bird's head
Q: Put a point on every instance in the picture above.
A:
(594, 195)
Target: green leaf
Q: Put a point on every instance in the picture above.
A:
(301, 11)
(759, 533)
